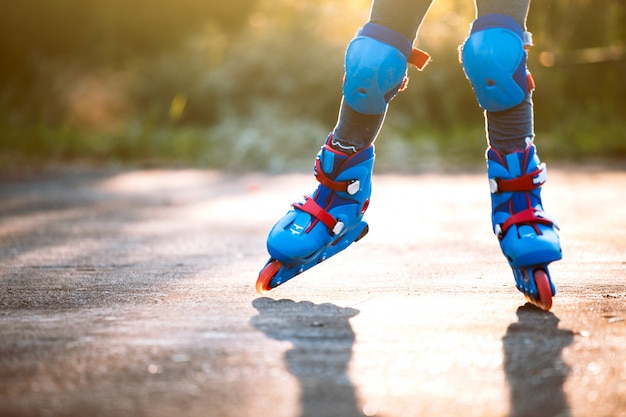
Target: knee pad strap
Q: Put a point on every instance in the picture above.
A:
(416, 57)
(494, 61)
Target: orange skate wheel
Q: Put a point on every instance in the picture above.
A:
(266, 275)
(543, 288)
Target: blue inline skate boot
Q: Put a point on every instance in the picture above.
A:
(324, 223)
(528, 237)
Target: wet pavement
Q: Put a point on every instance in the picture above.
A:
(132, 293)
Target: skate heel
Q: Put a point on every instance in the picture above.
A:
(528, 236)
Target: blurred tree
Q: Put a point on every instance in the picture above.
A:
(580, 65)
(141, 65)
(97, 32)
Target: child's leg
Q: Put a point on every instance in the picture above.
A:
(330, 219)
(396, 22)
(494, 60)
(508, 129)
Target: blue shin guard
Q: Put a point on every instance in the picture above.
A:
(324, 223)
(528, 237)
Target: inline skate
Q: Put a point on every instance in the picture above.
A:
(528, 236)
(324, 223)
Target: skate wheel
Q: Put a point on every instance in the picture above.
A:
(542, 282)
(266, 275)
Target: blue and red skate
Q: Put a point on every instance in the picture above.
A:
(324, 223)
(528, 237)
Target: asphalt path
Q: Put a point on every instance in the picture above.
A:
(132, 293)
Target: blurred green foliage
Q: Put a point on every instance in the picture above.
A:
(105, 31)
(255, 84)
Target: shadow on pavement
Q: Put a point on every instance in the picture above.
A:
(322, 340)
(534, 365)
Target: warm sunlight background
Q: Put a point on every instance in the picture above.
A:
(255, 84)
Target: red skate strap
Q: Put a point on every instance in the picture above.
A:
(527, 182)
(311, 207)
(327, 182)
(529, 216)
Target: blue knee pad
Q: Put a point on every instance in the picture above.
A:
(376, 65)
(494, 61)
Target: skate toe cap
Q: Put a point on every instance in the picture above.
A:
(291, 241)
(527, 249)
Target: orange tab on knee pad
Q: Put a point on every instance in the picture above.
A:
(418, 58)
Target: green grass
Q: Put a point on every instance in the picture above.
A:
(268, 144)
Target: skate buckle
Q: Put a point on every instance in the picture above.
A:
(353, 187)
(542, 175)
(338, 228)
(498, 231)
(493, 186)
